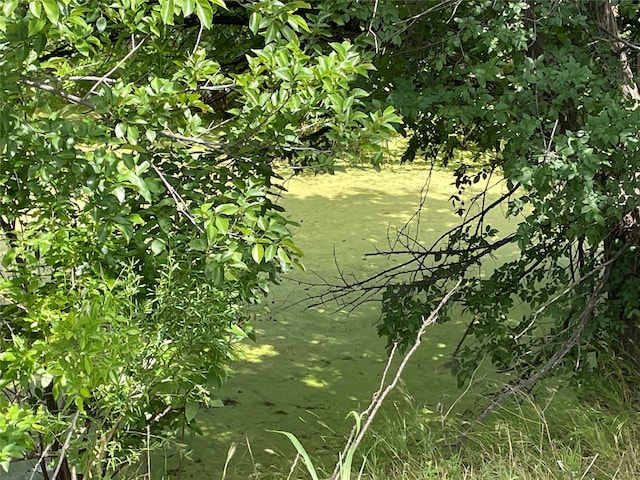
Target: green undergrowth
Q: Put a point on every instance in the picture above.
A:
(591, 432)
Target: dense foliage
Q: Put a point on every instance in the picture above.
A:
(138, 148)
(536, 100)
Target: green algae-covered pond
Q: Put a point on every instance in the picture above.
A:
(311, 366)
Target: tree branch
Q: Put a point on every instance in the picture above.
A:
(571, 342)
(56, 91)
(381, 394)
(107, 75)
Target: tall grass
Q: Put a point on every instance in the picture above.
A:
(590, 433)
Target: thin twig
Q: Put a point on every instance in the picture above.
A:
(379, 396)
(216, 88)
(42, 463)
(56, 91)
(65, 446)
(194, 140)
(595, 457)
(148, 451)
(293, 466)
(383, 380)
(370, 29)
(197, 44)
(87, 78)
(107, 75)
(445, 415)
(181, 205)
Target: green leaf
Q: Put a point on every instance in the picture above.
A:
(35, 7)
(257, 253)
(198, 244)
(35, 26)
(282, 255)
(270, 252)
(120, 194)
(136, 219)
(212, 231)
(222, 224)
(299, 265)
(188, 7)
(45, 380)
(151, 135)
(204, 13)
(157, 246)
(101, 24)
(284, 74)
(237, 331)
(227, 209)
(296, 21)
(7, 357)
(191, 410)
(9, 7)
(120, 130)
(254, 22)
(272, 33)
(166, 11)
(52, 10)
(132, 134)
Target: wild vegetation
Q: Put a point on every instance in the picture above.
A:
(138, 147)
(138, 144)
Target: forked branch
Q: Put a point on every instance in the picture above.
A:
(571, 342)
(357, 434)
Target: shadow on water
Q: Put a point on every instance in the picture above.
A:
(311, 366)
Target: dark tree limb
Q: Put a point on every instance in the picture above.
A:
(571, 342)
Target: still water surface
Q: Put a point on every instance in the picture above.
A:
(311, 366)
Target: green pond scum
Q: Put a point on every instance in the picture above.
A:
(311, 366)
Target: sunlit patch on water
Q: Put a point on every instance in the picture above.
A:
(312, 381)
(258, 353)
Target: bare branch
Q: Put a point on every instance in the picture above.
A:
(217, 88)
(571, 342)
(194, 140)
(199, 37)
(107, 75)
(65, 446)
(56, 91)
(370, 30)
(181, 205)
(381, 394)
(87, 78)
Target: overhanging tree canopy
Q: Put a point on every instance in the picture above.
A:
(138, 142)
(542, 98)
